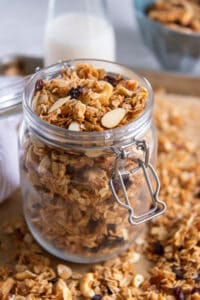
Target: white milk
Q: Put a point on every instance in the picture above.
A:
(76, 35)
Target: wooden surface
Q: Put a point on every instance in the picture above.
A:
(173, 82)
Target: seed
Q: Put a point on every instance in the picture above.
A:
(158, 248)
(75, 92)
(112, 118)
(112, 80)
(74, 126)
(39, 85)
(58, 104)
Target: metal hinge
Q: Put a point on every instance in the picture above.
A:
(158, 207)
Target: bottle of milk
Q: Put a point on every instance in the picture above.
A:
(78, 29)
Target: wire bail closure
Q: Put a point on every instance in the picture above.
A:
(158, 207)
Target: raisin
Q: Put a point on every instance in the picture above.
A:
(75, 93)
(158, 248)
(109, 292)
(197, 195)
(53, 280)
(127, 180)
(93, 224)
(197, 279)
(179, 294)
(97, 297)
(39, 85)
(111, 227)
(178, 272)
(107, 242)
(196, 290)
(180, 248)
(111, 80)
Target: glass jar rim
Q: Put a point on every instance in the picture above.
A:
(55, 135)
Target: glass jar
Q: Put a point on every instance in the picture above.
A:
(87, 194)
(10, 118)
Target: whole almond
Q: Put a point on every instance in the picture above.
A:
(74, 126)
(112, 118)
(58, 103)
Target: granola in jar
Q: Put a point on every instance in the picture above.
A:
(77, 204)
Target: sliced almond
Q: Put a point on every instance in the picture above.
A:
(74, 126)
(112, 118)
(58, 103)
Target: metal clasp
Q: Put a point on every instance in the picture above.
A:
(158, 207)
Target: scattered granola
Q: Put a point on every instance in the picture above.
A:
(171, 242)
(177, 14)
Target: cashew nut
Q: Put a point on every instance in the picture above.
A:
(7, 286)
(106, 92)
(86, 285)
(124, 91)
(25, 275)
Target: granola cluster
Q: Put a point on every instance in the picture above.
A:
(88, 99)
(177, 14)
(171, 242)
(68, 200)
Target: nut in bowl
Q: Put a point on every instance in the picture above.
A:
(171, 30)
(85, 177)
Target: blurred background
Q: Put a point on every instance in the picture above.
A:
(23, 24)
